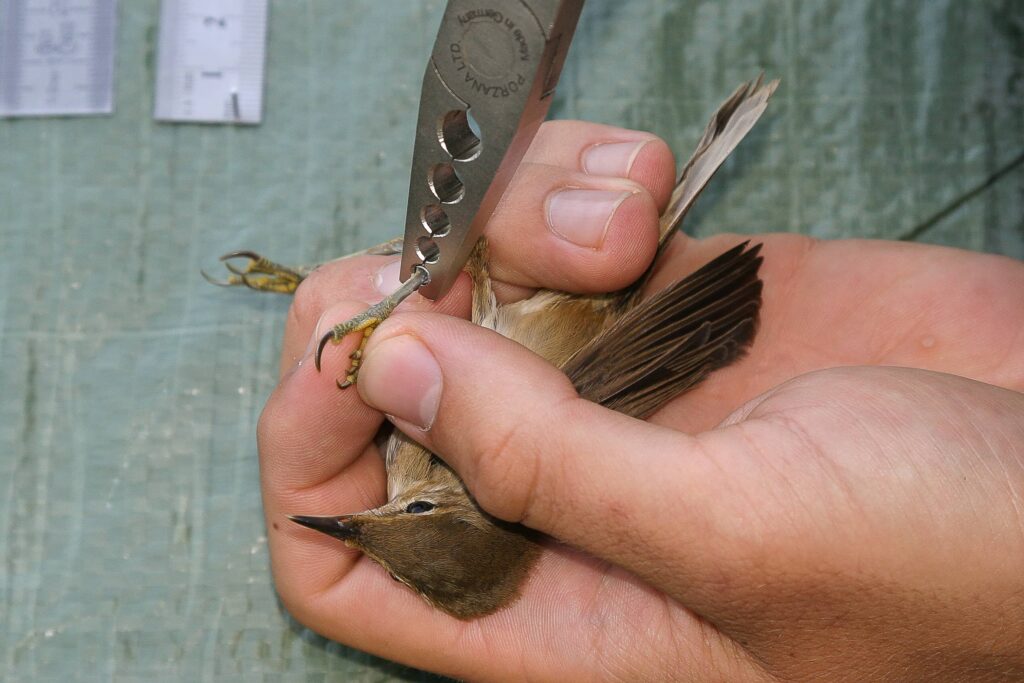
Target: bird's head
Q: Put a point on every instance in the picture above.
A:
(432, 536)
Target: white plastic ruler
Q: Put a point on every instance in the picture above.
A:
(210, 65)
(57, 57)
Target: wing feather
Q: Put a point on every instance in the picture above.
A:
(668, 343)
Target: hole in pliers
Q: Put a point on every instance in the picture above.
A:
(427, 250)
(435, 220)
(459, 134)
(446, 184)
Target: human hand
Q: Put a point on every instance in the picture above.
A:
(811, 554)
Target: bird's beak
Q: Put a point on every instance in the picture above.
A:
(337, 527)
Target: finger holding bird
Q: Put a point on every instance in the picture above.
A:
(311, 466)
(525, 253)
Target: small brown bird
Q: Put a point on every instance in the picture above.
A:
(620, 350)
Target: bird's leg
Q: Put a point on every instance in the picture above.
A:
(366, 322)
(264, 275)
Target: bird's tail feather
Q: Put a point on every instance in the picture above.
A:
(729, 125)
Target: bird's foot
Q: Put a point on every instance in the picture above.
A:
(259, 273)
(264, 275)
(366, 322)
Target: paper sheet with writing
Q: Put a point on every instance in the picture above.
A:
(57, 57)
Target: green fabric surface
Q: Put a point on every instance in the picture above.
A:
(132, 545)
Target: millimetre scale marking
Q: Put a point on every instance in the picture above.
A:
(211, 61)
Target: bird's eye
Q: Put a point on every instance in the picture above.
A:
(419, 506)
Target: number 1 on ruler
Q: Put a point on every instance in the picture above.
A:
(211, 61)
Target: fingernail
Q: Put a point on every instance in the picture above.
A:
(335, 314)
(387, 278)
(307, 355)
(612, 158)
(582, 216)
(401, 377)
(319, 330)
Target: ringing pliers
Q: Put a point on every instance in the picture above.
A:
(487, 88)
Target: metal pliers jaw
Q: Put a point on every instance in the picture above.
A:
(487, 88)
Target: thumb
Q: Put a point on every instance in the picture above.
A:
(531, 451)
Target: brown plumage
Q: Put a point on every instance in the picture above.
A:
(620, 350)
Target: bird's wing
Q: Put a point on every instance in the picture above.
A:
(668, 343)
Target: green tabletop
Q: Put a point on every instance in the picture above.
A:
(132, 545)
